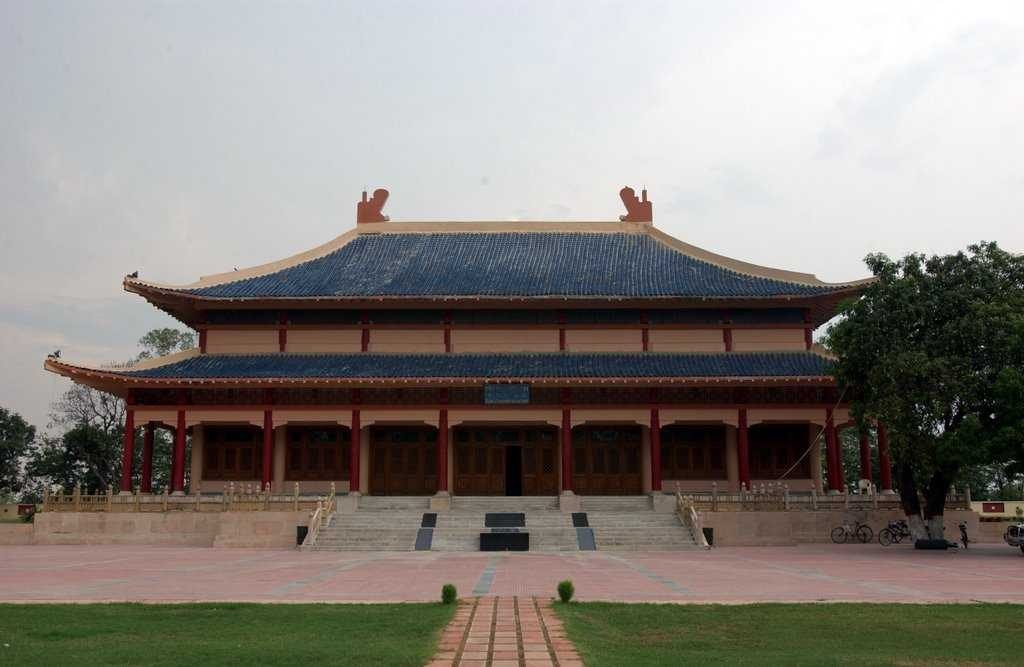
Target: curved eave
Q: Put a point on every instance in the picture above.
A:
(118, 383)
(187, 308)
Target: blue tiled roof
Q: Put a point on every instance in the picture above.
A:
(520, 365)
(507, 264)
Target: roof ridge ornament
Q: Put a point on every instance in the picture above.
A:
(369, 210)
(637, 210)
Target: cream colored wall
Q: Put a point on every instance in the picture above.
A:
(504, 340)
(642, 417)
(505, 415)
(260, 341)
(196, 478)
(768, 340)
(228, 341)
(280, 443)
(686, 340)
(406, 340)
(325, 340)
(604, 340)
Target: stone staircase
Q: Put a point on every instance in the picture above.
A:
(382, 523)
(628, 523)
(619, 523)
(459, 529)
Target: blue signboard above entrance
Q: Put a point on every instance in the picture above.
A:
(506, 394)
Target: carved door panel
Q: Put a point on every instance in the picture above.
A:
(606, 460)
(540, 474)
(403, 460)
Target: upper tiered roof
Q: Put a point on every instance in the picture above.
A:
(498, 262)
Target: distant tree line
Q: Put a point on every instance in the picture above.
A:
(83, 443)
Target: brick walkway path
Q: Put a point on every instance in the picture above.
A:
(505, 632)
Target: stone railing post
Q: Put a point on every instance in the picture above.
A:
(46, 498)
(714, 496)
(110, 499)
(814, 496)
(164, 503)
(76, 498)
(295, 498)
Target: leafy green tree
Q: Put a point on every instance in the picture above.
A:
(85, 455)
(16, 435)
(935, 350)
(89, 452)
(849, 444)
(161, 342)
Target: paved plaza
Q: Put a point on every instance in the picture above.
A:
(804, 573)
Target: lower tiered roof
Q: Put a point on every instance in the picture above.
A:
(552, 368)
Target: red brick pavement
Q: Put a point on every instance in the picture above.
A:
(867, 573)
(505, 632)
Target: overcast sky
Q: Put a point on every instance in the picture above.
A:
(182, 139)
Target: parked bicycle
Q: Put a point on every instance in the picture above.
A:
(894, 533)
(860, 532)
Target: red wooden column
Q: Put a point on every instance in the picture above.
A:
(865, 456)
(884, 462)
(743, 449)
(128, 449)
(147, 459)
(268, 449)
(655, 450)
(353, 455)
(566, 434)
(832, 453)
(178, 458)
(442, 451)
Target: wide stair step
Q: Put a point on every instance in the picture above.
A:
(619, 523)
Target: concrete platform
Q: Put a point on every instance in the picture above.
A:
(806, 573)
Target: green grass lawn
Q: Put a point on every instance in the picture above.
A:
(220, 634)
(795, 634)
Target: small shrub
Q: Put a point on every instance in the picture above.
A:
(566, 590)
(449, 594)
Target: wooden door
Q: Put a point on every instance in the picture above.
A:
(606, 460)
(403, 460)
(479, 463)
(540, 471)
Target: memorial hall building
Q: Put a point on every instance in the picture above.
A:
(490, 359)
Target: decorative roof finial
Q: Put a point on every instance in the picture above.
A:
(637, 210)
(369, 210)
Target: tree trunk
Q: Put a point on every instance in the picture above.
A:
(936, 527)
(935, 502)
(911, 502)
(918, 528)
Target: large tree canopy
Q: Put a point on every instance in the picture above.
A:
(160, 342)
(15, 437)
(89, 451)
(934, 349)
